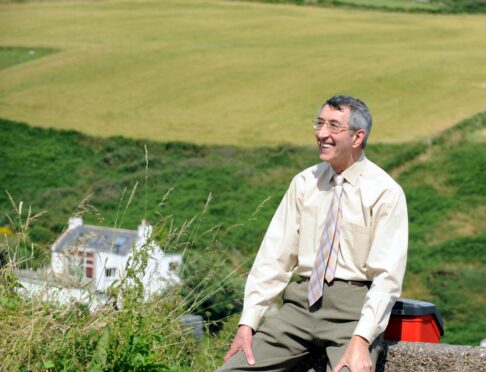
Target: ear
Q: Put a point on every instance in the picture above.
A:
(358, 138)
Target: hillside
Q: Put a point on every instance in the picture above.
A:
(410, 6)
(444, 183)
(177, 70)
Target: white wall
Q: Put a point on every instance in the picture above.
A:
(105, 260)
(61, 295)
(58, 263)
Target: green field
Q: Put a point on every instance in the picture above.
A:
(444, 183)
(412, 6)
(237, 73)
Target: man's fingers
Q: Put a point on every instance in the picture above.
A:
(228, 355)
(338, 367)
(242, 342)
(250, 358)
(232, 351)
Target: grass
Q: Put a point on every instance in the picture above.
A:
(133, 335)
(10, 56)
(380, 5)
(443, 180)
(226, 73)
(218, 72)
(406, 5)
(415, 6)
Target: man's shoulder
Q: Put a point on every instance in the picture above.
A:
(377, 175)
(313, 173)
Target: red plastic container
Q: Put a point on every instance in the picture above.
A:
(414, 321)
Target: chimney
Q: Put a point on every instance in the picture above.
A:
(74, 222)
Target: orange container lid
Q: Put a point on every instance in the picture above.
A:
(407, 307)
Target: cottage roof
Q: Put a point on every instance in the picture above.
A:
(102, 239)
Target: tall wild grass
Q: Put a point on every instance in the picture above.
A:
(127, 332)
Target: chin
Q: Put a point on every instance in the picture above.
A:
(325, 159)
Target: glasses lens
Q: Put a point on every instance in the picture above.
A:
(331, 128)
(318, 124)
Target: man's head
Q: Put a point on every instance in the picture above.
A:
(360, 114)
(342, 128)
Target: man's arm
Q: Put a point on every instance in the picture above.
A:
(386, 267)
(272, 268)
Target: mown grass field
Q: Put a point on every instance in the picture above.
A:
(224, 72)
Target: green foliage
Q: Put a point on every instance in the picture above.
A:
(434, 6)
(467, 169)
(212, 286)
(425, 207)
(459, 294)
(467, 6)
(442, 188)
(463, 249)
(439, 179)
(10, 56)
(390, 156)
(129, 333)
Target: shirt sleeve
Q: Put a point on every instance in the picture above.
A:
(386, 263)
(276, 257)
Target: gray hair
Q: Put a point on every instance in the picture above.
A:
(360, 115)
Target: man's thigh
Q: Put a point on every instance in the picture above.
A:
(269, 356)
(283, 339)
(337, 318)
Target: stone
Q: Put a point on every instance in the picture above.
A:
(413, 357)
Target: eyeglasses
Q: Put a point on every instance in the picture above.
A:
(331, 126)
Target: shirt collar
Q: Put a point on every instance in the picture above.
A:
(352, 173)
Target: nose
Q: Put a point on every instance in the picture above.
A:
(322, 132)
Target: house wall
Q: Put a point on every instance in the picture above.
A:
(162, 271)
(58, 263)
(103, 261)
(61, 295)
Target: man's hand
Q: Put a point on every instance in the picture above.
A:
(357, 356)
(242, 341)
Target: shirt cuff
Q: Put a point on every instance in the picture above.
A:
(252, 317)
(366, 329)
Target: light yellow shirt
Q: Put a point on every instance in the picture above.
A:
(373, 241)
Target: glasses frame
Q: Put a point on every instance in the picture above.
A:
(330, 126)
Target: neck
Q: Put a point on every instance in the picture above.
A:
(341, 167)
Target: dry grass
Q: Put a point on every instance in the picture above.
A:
(240, 73)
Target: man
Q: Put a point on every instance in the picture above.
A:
(342, 229)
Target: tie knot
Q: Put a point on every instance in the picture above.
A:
(338, 179)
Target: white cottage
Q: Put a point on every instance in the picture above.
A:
(100, 255)
(86, 260)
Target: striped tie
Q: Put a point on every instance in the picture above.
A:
(326, 258)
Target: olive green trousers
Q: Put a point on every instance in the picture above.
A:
(288, 336)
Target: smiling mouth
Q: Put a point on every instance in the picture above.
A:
(323, 145)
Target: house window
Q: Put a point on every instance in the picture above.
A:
(110, 272)
(118, 244)
(89, 265)
(81, 264)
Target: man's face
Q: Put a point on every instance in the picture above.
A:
(336, 148)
